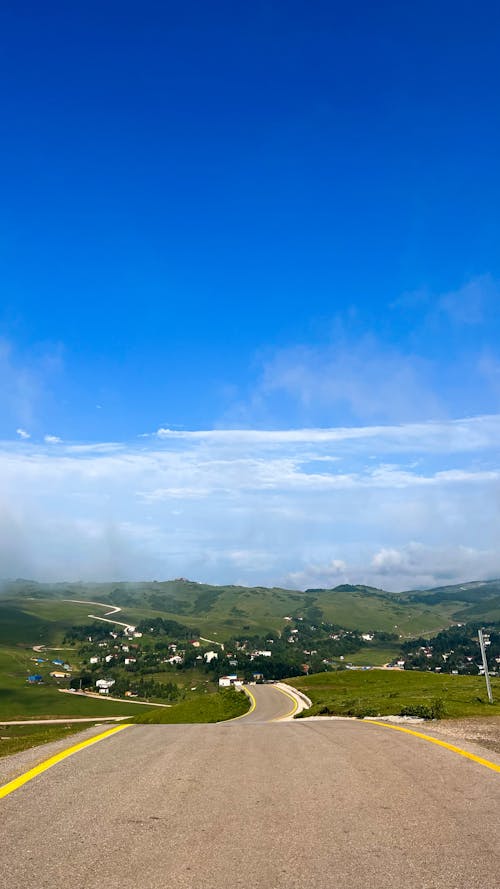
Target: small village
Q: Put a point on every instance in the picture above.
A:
(454, 650)
(162, 659)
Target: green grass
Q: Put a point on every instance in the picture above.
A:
(371, 656)
(218, 707)
(367, 611)
(40, 622)
(384, 692)
(14, 738)
(18, 700)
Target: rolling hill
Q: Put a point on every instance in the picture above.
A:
(37, 614)
(229, 610)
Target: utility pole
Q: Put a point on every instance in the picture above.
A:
(485, 664)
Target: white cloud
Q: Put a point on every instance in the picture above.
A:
(22, 433)
(52, 439)
(325, 576)
(389, 559)
(420, 565)
(362, 377)
(357, 376)
(472, 302)
(307, 507)
(445, 436)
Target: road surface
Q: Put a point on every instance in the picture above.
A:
(258, 804)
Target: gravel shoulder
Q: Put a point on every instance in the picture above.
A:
(481, 730)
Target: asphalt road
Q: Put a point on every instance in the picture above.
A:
(253, 803)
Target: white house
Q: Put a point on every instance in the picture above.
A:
(95, 660)
(130, 660)
(367, 637)
(175, 659)
(210, 656)
(108, 658)
(232, 679)
(104, 685)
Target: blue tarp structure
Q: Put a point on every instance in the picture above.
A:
(35, 678)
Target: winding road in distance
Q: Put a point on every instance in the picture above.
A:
(255, 803)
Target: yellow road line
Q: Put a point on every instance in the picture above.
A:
(452, 747)
(253, 704)
(43, 766)
(294, 708)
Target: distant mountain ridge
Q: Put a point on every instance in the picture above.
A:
(227, 609)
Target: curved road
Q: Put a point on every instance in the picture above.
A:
(270, 704)
(258, 804)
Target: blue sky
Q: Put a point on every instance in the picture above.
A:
(279, 218)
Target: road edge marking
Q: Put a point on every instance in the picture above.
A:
(253, 704)
(294, 708)
(408, 731)
(8, 788)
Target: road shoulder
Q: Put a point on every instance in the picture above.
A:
(18, 763)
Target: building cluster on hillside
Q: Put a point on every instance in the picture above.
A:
(128, 659)
(455, 650)
(64, 671)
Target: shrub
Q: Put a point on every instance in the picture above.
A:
(435, 709)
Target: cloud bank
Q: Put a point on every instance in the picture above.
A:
(397, 506)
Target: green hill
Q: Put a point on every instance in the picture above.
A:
(228, 610)
(383, 692)
(474, 600)
(36, 614)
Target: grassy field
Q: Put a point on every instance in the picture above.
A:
(18, 700)
(217, 707)
(384, 692)
(369, 656)
(40, 622)
(187, 680)
(14, 738)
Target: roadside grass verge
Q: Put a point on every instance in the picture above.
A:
(15, 738)
(218, 707)
(394, 692)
